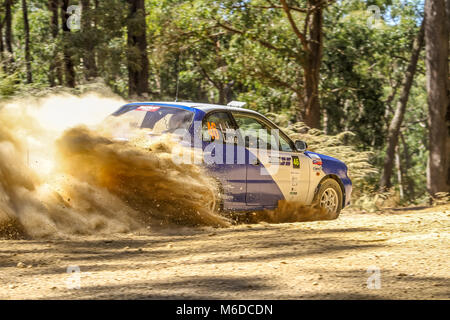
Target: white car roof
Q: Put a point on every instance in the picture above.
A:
(197, 105)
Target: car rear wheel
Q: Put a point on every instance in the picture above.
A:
(329, 197)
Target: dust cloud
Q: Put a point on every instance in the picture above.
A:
(146, 179)
(286, 212)
(61, 174)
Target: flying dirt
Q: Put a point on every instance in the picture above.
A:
(57, 178)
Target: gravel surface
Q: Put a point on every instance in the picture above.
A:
(399, 254)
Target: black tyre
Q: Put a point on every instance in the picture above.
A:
(330, 198)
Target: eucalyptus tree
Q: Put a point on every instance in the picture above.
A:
(437, 53)
(293, 31)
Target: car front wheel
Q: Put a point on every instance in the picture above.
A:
(329, 197)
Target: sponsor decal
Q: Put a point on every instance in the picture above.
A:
(295, 162)
(148, 108)
(274, 160)
(316, 159)
(282, 161)
(285, 161)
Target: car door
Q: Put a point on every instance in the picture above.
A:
(275, 170)
(222, 157)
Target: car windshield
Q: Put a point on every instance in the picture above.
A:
(156, 119)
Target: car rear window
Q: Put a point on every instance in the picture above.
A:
(157, 119)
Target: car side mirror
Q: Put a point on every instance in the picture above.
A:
(301, 145)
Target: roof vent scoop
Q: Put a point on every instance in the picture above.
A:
(237, 104)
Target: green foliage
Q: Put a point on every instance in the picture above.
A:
(8, 84)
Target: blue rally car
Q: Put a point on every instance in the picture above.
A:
(255, 163)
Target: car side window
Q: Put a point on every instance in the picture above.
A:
(258, 134)
(254, 133)
(284, 145)
(218, 127)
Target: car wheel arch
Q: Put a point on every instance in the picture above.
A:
(336, 178)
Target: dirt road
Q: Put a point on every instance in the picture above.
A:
(407, 253)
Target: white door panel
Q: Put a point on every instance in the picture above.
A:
(292, 177)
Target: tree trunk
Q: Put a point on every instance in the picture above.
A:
(311, 75)
(447, 7)
(398, 163)
(96, 8)
(406, 156)
(27, 41)
(55, 70)
(54, 24)
(229, 91)
(8, 34)
(138, 64)
(222, 94)
(437, 52)
(2, 45)
(396, 122)
(69, 69)
(88, 32)
(447, 11)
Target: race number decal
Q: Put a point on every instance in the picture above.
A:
(295, 162)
